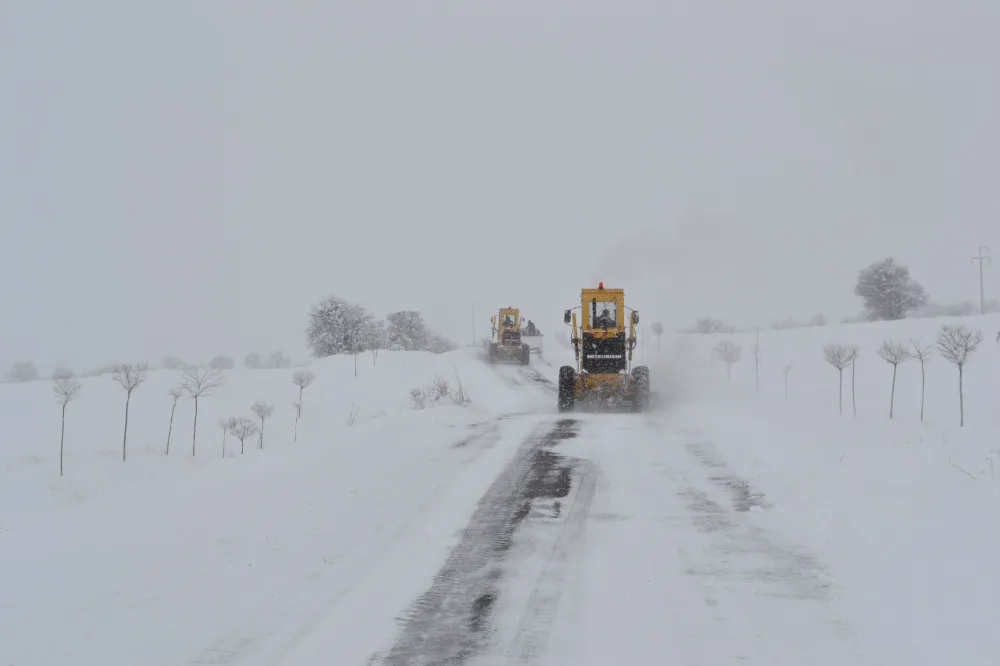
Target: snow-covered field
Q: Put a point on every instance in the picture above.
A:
(732, 526)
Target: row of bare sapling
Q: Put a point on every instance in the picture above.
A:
(196, 383)
(955, 344)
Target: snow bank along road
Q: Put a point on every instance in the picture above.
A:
(436, 537)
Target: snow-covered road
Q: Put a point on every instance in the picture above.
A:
(655, 558)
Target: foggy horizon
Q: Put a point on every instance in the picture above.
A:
(189, 179)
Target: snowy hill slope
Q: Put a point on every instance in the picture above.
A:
(29, 465)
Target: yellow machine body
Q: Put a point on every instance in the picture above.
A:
(505, 344)
(603, 340)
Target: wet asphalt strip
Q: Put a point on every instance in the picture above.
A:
(449, 623)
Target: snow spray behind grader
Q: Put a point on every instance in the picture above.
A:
(603, 376)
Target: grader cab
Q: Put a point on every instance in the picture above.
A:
(603, 341)
(505, 344)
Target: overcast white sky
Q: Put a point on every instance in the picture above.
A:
(188, 177)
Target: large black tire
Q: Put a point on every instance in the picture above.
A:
(493, 352)
(640, 388)
(525, 354)
(567, 388)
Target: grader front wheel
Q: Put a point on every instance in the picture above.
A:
(567, 388)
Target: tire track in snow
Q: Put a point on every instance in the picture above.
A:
(450, 623)
(753, 554)
(535, 625)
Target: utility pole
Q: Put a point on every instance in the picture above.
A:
(984, 255)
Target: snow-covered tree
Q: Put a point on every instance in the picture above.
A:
(172, 363)
(888, 291)
(199, 383)
(278, 360)
(302, 379)
(253, 361)
(337, 327)
(729, 353)
(129, 376)
(439, 344)
(262, 410)
(65, 389)
(175, 393)
(23, 371)
(956, 343)
(222, 363)
(375, 337)
(712, 325)
(242, 428)
(922, 353)
(839, 356)
(894, 353)
(407, 331)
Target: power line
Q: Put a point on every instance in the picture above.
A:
(983, 256)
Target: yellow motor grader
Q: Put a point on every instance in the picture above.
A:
(505, 344)
(603, 375)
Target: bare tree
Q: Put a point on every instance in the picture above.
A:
(657, 329)
(176, 394)
(955, 344)
(242, 428)
(786, 370)
(839, 357)
(262, 410)
(729, 353)
(893, 353)
(852, 352)
(65, 389)
(298, 410)
(199, 382)
(923, 354)
(302, 379)
(130, 376)
(226, 424)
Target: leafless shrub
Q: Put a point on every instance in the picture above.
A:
(893, 353)
(65, 388)
(839, 356)
(176, 394)
(955, 344)
(129, 376)
(198, 382)
(729, 353)
(440, 388)
(418, 398)
(262, 410)
(923, 354)
(459, 395)
(242, 428)
(353, 416)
